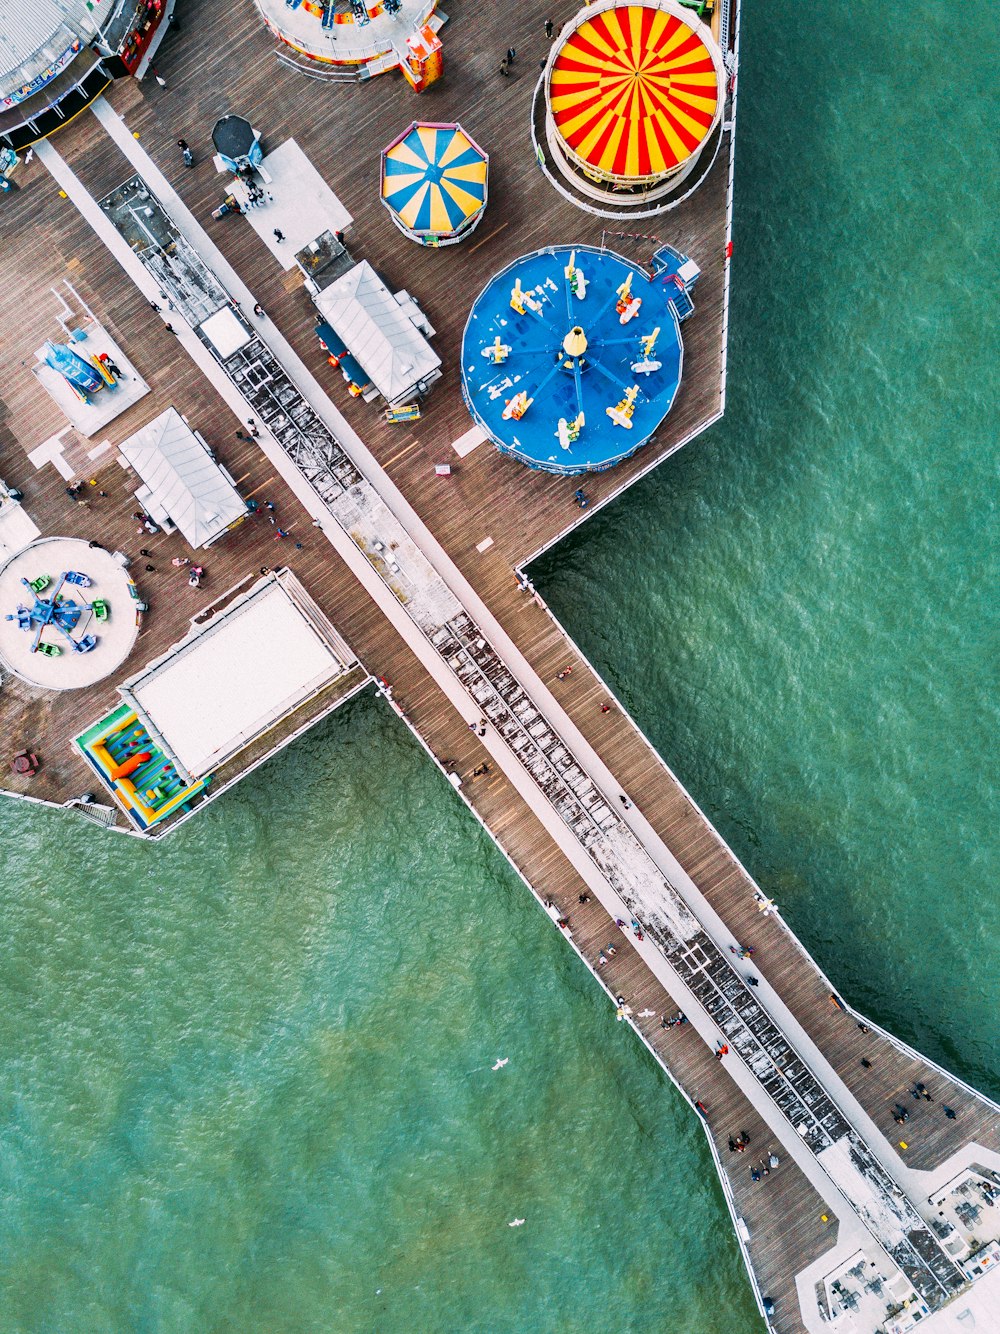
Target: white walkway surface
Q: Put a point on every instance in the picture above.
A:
(17, 530)
(51, 451)
(303, 204)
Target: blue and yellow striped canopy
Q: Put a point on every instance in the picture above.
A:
(434, 179)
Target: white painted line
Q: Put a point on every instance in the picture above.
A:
(101, 449)
(465, 444)
(49, 451)
(485, 545)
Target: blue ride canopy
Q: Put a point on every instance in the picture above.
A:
(596, 388)
(72, 367)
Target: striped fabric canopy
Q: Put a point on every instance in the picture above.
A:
(434, 179)
(634, 92)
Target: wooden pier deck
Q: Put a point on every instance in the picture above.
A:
(222, 61)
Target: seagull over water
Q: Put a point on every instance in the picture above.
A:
(499, 1066)
(518, 1222)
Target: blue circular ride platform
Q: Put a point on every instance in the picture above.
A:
(571, 358)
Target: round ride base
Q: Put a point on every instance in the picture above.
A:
(109, 583)
(602, 201)
(565, 383)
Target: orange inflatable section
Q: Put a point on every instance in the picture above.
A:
(130, 765)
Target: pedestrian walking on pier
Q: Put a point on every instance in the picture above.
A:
(169, 327)
(259, 310)
(949, 1113)
(504, 69)
(186, 153)
(566, 671)
(254, 435)
(279, 235)
(548, 29)
(511, 55)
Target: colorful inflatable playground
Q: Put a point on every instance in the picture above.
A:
(145, 781)
(572, 357)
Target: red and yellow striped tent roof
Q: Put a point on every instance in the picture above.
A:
(634, 91)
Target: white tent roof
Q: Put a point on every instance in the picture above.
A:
(231, 679)
(389, 347)
(183, 478)
(224, 331)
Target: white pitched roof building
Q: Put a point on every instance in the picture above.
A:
(381, 333)
(182, 482)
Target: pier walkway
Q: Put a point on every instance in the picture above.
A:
(575, 797)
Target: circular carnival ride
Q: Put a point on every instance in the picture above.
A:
(57, 630)
(633, 95)
(434, 183)
(571, 358)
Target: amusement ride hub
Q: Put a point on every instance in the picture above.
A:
(67, 614)
(634, 93)
(572, 357)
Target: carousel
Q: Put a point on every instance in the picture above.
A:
(434, 182)
(358, 38)
(634, 95)
(572, 357)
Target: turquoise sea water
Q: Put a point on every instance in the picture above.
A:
(244, 1076)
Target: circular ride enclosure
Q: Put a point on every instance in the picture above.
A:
(52, 556)
(634, 91)
(434, 179)
(545, 359)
